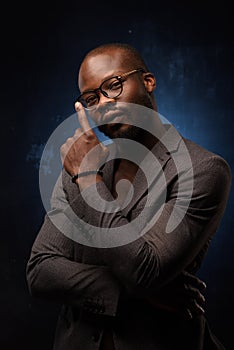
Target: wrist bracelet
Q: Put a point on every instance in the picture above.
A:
(85, 173)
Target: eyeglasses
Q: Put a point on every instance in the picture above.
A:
(110, 88)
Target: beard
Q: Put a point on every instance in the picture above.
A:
(125, 130)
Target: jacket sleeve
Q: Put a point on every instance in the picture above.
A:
(53, 274)
(159, 255)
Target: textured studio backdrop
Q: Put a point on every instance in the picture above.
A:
(190, 50)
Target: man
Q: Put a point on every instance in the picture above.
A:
(130, 221)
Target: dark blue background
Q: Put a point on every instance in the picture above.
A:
(188, 47)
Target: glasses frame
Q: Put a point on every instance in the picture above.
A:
(95, 91)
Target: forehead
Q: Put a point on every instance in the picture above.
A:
(99, 67)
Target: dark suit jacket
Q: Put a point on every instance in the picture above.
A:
(105, 288)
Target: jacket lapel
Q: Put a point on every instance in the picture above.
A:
(152, 167)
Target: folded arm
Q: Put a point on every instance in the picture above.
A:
(53, 274)
(157, 257)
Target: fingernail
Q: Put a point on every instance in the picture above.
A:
(204, 285)
(77, 106)
(202, 310)
(189, 314)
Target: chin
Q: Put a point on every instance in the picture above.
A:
(124, 131)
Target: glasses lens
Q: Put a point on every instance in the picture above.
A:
(112, 87)
(89, 99)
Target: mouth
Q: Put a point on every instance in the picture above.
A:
(113, 130)
(113, 120)
(110, 127)
(115, 114)
(113, 117)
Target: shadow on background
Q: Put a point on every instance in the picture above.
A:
(190, 50)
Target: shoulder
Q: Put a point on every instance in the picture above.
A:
(200, 157)
(210, 171)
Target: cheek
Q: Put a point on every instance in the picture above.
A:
(136, 93)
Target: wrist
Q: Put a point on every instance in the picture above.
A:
(88, 180)
(86, 173)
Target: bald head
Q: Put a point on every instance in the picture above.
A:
(114, 60)
(130, 57)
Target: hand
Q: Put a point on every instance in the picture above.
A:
(183, 296)
(83, 151)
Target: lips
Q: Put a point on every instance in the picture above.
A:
(111, 123)
(111, 120)
(115, 118)
(111, 117)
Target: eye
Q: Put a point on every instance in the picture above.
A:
(112, 84)
(90, 99)
(115, 85)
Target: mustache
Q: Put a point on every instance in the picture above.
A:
(111, 112)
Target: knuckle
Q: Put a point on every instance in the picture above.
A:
(62, 148)
(69, 140)
(106, 151)
(104, 148)
(90, 135)
(77, 131)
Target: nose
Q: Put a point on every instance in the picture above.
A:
(105, 105)
(103, 99)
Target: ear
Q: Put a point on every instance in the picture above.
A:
(149, 81)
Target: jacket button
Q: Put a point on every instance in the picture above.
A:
(95, 337)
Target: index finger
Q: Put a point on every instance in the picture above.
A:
(82, 118)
